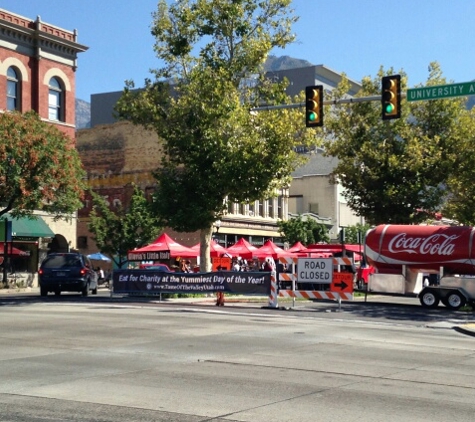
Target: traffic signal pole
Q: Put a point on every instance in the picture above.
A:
(390, 99)
(325, 102)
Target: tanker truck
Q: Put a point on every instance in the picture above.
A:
(403, 254)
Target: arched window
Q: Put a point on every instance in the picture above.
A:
(13, 89)
(55, 100)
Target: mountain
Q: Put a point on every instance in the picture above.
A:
(274, 63)
(83, 114)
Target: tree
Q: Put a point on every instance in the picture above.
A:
(392, 169)
(355, 234)
(117, 230)
(40, 168)
(216, 150)
(306, 231)
(460, 204)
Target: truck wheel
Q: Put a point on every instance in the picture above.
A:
(454, 300)
(429, 299)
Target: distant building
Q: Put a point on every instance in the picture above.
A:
(312, 194)
(37, 72)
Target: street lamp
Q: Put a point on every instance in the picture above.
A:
(8, 226)
(217, 225)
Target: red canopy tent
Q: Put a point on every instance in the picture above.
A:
(271, 249)
(216, 250)
(165, 243)
(297, 247)
(242, 248)
(12, 250)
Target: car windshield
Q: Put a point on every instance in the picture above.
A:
(156, 268)
(62, 261)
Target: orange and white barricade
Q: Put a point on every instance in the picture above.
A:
(306, 294)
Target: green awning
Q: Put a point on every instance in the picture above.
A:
(29, 227)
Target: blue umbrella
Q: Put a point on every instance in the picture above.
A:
(99, 257)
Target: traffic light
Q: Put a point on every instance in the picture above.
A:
(314, 106)
(391, 97)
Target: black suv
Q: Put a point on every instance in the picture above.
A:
(67, 272)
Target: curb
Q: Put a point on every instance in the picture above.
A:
(467, 329)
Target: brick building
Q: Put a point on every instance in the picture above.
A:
(118, 155)
(37, 72)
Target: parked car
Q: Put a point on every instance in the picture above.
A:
(156, 267)
(67, 272)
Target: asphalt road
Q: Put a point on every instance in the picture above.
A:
(96, 359)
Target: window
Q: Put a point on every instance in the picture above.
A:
(13, 90)
(55, 100)
(82, 242)
(280, 211)
(271, 207)
(251, 209)
(313, 208)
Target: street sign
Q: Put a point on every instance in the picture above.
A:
(315, 270)
(342, 282)
(440, 91)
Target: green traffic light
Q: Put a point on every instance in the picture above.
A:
(312, 116)
(389, 108)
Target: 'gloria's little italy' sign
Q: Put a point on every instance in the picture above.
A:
(441, 91)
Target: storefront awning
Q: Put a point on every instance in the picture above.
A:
(26, 227)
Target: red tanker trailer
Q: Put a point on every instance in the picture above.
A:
(402, 253)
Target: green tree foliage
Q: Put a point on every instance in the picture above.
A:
(117, 230)
(306, 231)
(392, 170)
(460, 204)
(39, 168)
(216, 149)
(351, 233)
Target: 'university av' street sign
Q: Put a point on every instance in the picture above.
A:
(441, 91)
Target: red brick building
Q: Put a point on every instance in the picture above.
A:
(37, 72)
(37, 69)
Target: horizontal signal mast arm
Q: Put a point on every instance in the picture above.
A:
(326, 102)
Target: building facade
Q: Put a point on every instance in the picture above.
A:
(119, 155)
(37, 72)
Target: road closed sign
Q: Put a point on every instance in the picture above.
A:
(315, 270)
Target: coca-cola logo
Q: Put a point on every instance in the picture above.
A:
(436, 244)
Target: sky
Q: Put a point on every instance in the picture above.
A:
(356, 37)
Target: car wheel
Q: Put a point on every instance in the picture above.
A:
(85, 290)
(429, 299)
(454, 300)
(43, 291)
